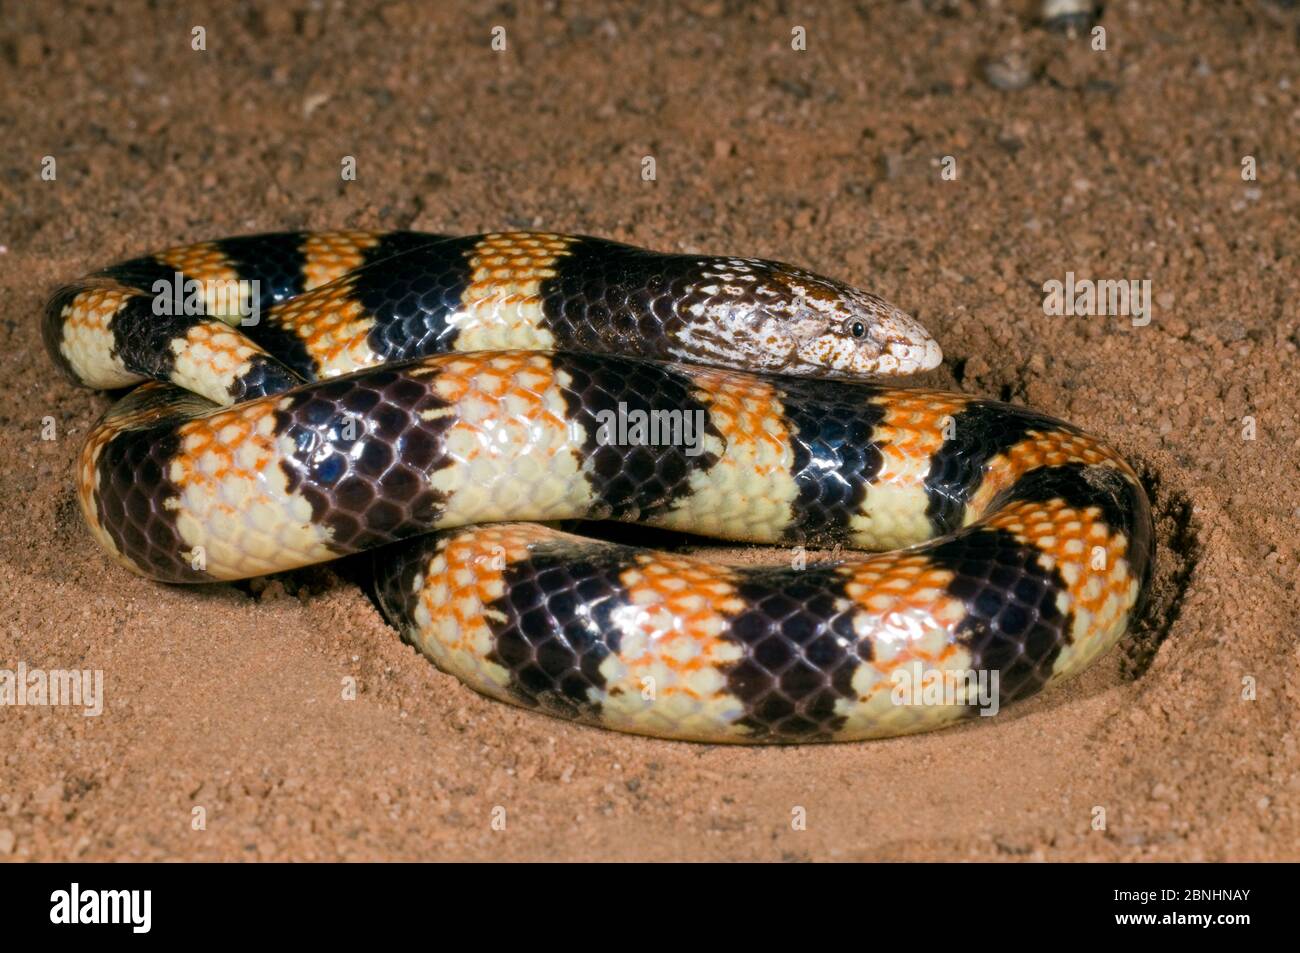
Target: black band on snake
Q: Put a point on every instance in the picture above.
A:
(302, 396)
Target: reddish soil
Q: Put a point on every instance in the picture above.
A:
(1123, 163)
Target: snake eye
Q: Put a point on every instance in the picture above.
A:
(857, 329)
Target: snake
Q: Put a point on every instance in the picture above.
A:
(454, 405)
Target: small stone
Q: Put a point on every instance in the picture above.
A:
(1165, 299)
(268, 590)
(6, 842)
(1010, 72)
(795, 87)
(1069, 16)
(313, 102)
(894, 164)
(1232, 331)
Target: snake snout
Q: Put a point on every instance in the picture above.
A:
(904, 345)
(916, 357)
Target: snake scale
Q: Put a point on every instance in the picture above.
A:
(446, 401)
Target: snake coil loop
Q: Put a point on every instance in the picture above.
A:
(302, 396)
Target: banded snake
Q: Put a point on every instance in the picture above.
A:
(445, 401)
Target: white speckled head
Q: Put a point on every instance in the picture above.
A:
(842, 332)
(775, 317)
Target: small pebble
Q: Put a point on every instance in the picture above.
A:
(1232, 331)
(894, 165)
(1069, 16)
(313, 102)
(1010, 72)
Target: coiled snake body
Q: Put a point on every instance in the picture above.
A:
(310, 395)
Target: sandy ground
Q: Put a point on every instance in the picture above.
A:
(1123, 163)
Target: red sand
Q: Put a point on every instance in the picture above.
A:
(1123, 163)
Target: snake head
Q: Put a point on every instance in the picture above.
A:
(776, 317)
(835, 330)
